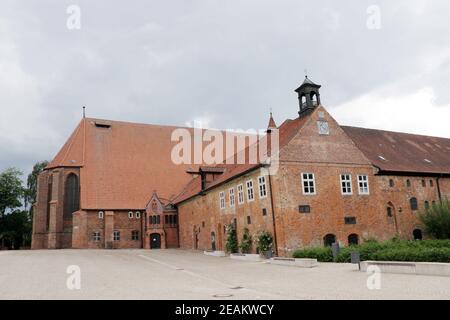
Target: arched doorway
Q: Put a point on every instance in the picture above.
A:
(213, 241)
(353, 239)
(329, 239)
(417, 234)
(155, 241)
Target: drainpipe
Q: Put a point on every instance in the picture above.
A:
(273, 217)
(439, 188)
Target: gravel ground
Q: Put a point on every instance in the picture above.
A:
(181, 274)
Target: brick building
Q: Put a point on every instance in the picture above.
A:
(115, 185)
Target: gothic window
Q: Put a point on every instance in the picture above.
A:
(413, 203)
(158, 219)
(71, 196)
(49, 198)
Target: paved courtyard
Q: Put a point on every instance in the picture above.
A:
(179, 274)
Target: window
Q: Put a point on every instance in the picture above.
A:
(426, 205)
(203, 224)
(222, 200)
(346, 183)
(262, 187)
(408, 183)
(101, 214)
(116, 235)
(264, 212)
(308, 183)
(304, 209)
(135, 235)
(249, 220)
(240, 189)
(353, 239)
(250, 194)
(431, 183)
(96, 236)
(391, 183)
(130, 215)
(323, 127)
(166, 219)
(424, 183)
(138, 215)
(71, 196)
(175, 219)
(413, 203)
(389, 211)
(363, 184)
(231, 193)
(350, 220)
(158, 219)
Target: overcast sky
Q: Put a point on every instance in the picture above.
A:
(223, 62)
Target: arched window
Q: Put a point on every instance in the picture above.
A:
(71, 196)
(313, 97)
(101, 214)
(391, 183)
(353, 239)
(389, 211)
(426, 205)
(303, 101)
(130, 215)
(413, 203)
(49, 198)
(417, 234)
(329, 239)
(408, 183)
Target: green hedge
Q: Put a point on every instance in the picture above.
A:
(393, 250)
(321, 254)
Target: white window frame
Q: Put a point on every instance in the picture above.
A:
(138, 215)
(221, 200)
(310, 181)
(240, 191)
(232, 197)
(262, 187)
(346, 184)
(101, 214)
(96, 236)
(116, 235)
(130, 215)
(363, 184)
(250, 191)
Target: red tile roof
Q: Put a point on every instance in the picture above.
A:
(402, 152)
(286, 132)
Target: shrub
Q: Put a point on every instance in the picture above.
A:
(232, 243)
(413, 254)
(436, 220)
(246, 242)
(322, 254)
(264, 241)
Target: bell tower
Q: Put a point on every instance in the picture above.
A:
(308, 96)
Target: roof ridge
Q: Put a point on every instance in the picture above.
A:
(396, 132)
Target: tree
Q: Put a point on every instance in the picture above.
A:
(16, 229)
(11, 190)
(246, 242)
(436, 220)
(31, 191)
(232, 243)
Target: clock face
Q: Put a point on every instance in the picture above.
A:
(323, 127)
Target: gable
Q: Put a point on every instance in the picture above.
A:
(308, 145)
